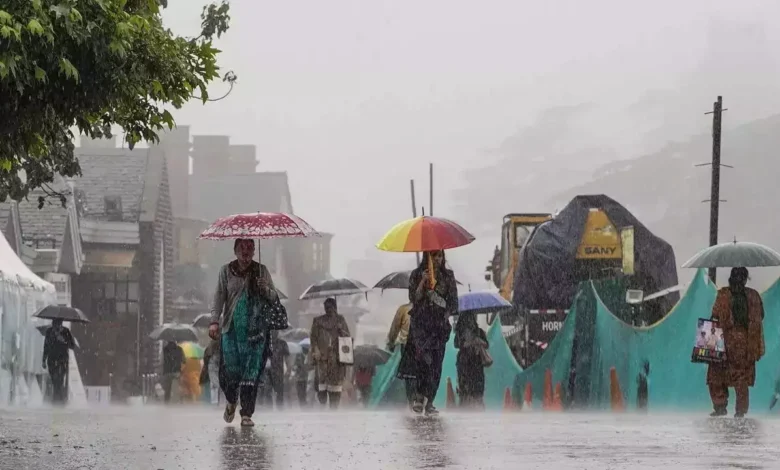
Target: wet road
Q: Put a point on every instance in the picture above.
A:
(196, 438)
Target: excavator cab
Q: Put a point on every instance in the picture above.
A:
(516, 229)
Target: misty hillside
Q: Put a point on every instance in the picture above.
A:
(665, 191)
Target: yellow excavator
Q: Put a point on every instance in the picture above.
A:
(599, 249)
(516, 229)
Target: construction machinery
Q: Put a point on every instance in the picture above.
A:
(516, 230)
(542, 260)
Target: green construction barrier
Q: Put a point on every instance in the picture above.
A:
(556, 358)
(674, 380)
(388, 390)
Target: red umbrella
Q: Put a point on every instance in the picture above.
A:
(260, 225)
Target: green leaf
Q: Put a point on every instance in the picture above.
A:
(67, 68)
(34, 26)
(40, 74)
(3, 69)
(5, 164)
(168, 119)
(75, 16)
(5, 17)
(157, 87)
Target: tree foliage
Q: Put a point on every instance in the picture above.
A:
(91, 65)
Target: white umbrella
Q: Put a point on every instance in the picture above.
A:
(735, 255)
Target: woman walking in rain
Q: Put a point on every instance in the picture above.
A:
(330, 372)
(237, 320)
(472, 345)
(429, 329)
(739, 312)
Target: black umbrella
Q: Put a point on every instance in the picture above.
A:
(44, 328)
(202, 321)
(334, 288)
(61, 312)
(397, 280)
(369, 356)
(295, 335)
(175, 333)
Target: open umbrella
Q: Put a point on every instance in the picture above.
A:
(61, 312)
(192, 350)
(294, 348)
(296, 334)
(369, 356)
(397, 280)
(44, 328)
(425, 234)
(174, 332)
(334, 288)
(258, 225)
(734, 255)
(202, 321)
(482, 302)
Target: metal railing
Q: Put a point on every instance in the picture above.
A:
(148, 382)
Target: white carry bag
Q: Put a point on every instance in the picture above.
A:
(345, 351)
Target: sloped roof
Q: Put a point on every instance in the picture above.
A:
(115, 172)
(5, 214)
(47, 222)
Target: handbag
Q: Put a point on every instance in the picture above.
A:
(275, 315)
(487, 359)
(346, 354)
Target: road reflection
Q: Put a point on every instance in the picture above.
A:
(430, 448)
(244, 449)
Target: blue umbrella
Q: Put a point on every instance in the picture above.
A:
(482, 302)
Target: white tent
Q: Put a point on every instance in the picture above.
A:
(22, 293)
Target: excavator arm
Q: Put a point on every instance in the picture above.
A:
(509, 281)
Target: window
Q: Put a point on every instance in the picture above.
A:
(113, 294)
(113, 208)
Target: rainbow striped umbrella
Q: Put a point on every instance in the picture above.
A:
(425, 234)
(192, 350)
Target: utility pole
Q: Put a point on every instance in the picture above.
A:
(430, 185)
(714, 200)
(414, 214)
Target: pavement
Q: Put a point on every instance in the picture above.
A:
(195, 437)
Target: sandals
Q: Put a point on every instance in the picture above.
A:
(230, 413)
(247, 422)
(417, 407)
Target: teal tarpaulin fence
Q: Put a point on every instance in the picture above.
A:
(598, 340)
(387, 390)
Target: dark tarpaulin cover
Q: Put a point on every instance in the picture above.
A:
(545, 277)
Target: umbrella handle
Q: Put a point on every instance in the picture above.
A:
(430, 271)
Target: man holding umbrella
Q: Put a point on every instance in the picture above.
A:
(56, 348)
(173, 360)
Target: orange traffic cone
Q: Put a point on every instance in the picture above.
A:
(508, 403)
(547, 398)
(615, 395)
(528, 396)
(557, 404)
(451, 403)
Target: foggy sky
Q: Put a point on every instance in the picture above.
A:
(354, 98)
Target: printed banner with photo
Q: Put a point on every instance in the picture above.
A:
(708, 345)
